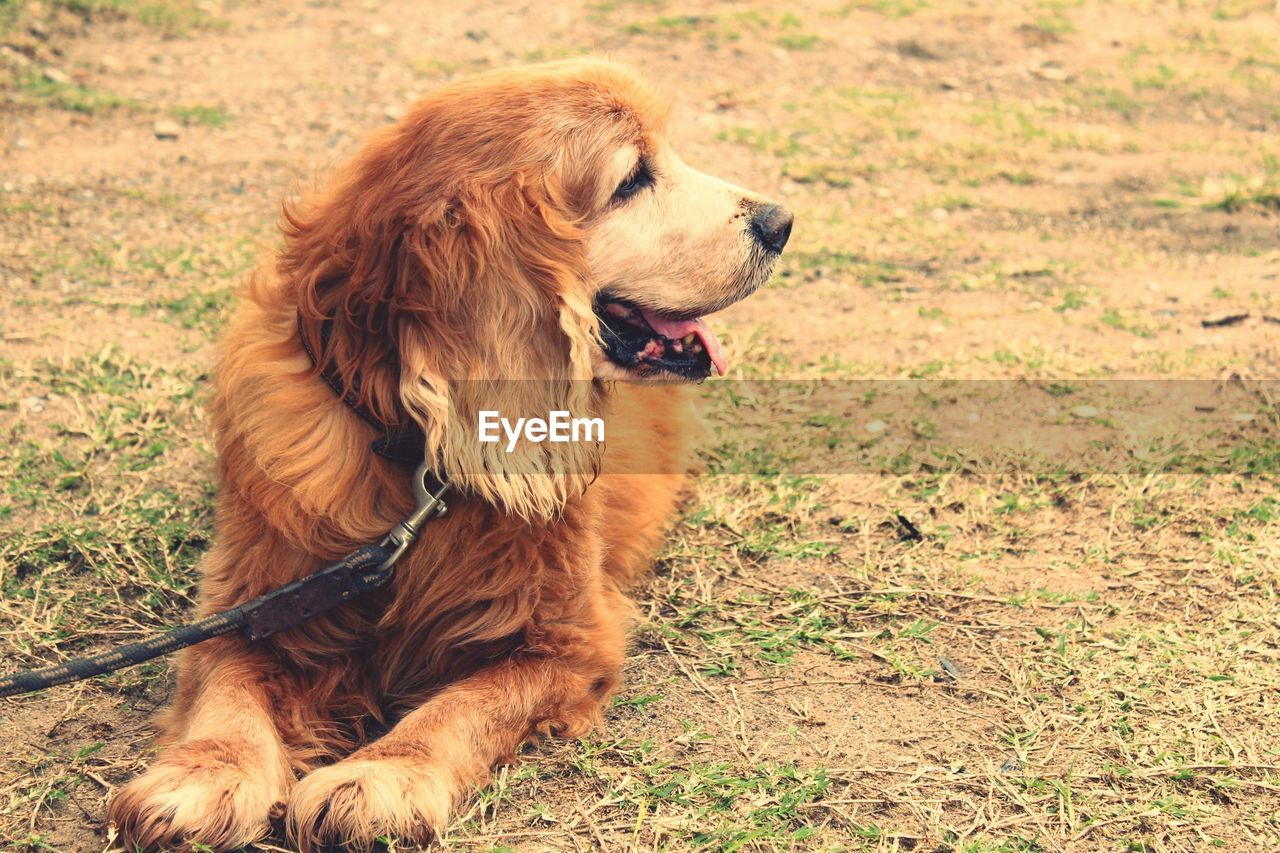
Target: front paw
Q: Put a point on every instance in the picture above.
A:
(205, 792)
(355, 802)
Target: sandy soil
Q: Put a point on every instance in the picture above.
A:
(917, 651)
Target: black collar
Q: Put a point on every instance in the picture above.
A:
(402, 445)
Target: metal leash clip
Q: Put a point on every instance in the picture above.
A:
(430, 505)
(360, 572)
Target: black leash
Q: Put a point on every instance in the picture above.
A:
(359, 572)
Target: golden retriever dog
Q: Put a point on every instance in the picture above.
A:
(531, 225)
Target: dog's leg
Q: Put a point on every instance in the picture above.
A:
(216, 785)
(404, 785)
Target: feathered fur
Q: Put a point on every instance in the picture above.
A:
(448, 258)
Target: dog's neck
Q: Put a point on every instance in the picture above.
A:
(399, 443)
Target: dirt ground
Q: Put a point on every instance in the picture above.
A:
(914, 649)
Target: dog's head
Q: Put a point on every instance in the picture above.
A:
(665, 243)
(528, 224)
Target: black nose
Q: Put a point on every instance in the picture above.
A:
(772, 226)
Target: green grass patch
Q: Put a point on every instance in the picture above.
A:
(202, 115)
(173, 17)
(34, 89)
(888, 8)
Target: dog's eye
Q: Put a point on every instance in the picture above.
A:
(638, 180)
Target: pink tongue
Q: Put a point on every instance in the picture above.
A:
(677, 329)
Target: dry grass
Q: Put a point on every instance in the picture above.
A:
(920, 644)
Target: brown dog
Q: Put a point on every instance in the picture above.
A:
(530, 224)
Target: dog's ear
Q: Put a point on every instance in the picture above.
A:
(506, 325)
(437, 293)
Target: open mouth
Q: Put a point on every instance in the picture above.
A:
(649, 342)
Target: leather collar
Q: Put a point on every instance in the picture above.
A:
(400, 444)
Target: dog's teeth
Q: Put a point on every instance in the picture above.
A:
(689, 338)
(695, 348)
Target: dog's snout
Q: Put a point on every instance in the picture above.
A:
(772, 226)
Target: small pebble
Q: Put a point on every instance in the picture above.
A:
(12, 57)
(166, 129)
(1049, 71)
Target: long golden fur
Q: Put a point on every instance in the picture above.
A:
(464, 246)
